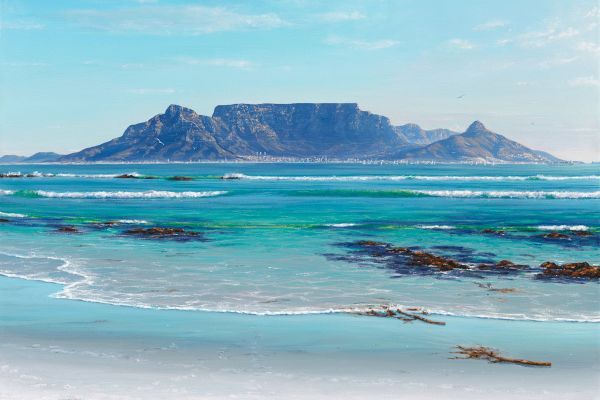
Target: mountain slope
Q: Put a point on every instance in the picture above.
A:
(177, 135)
(477, 143)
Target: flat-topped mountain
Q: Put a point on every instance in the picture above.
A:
(301, 130)
(477, 143)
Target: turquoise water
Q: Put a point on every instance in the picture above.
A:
(277, 241)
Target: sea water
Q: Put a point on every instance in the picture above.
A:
(272, 272)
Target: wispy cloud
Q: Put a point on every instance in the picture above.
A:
(361, 44)
(21, 25)
(19, 64)
(340, 16)
(461, 44)
(151, 91)
(219, 62)
(490, 25)
(558, 61)
(172, 20)
(585, 81)
(589, 47)
(132, 66)
(542, 38)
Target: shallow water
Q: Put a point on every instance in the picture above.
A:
(276, 240)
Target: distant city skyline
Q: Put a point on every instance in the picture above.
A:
(77, 73)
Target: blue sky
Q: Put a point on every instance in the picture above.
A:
(77, 73)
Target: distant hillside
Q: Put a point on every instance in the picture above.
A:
(43, 157)
(477, 143)
(11, 159)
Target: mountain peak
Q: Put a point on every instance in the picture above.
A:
(175, 110)
(476, 127)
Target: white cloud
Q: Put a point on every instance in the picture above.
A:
(461, 44)
(361, 43)
(585, 81)
(593, 13)
(151, 91)
(219, 62)
(490, 25)
(340, 16)
(172, 20)
(503, 42)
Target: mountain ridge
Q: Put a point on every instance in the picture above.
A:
(298, 131)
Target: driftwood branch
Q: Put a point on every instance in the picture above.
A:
(405, 316)
(493, 356)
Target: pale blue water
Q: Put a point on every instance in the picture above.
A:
(272, 243)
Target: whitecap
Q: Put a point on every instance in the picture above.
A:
(341, 225)
(443, 227)
(563, 227)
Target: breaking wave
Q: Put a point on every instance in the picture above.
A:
(497, 194)
(12, 215)
(563, 227)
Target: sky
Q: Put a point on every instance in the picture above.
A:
(74, 74)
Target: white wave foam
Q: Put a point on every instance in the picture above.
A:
(12, 215)
(67, 293)
(341, 225)
(563, 227)
(436, 226)
(6, 192)
(132, 221)
(91, 176)
(510, 194)
(406, 177)
(39, 275)
(150, 194)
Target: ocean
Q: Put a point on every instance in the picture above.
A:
(260, 294)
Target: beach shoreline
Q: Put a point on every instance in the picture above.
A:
(128, 353)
